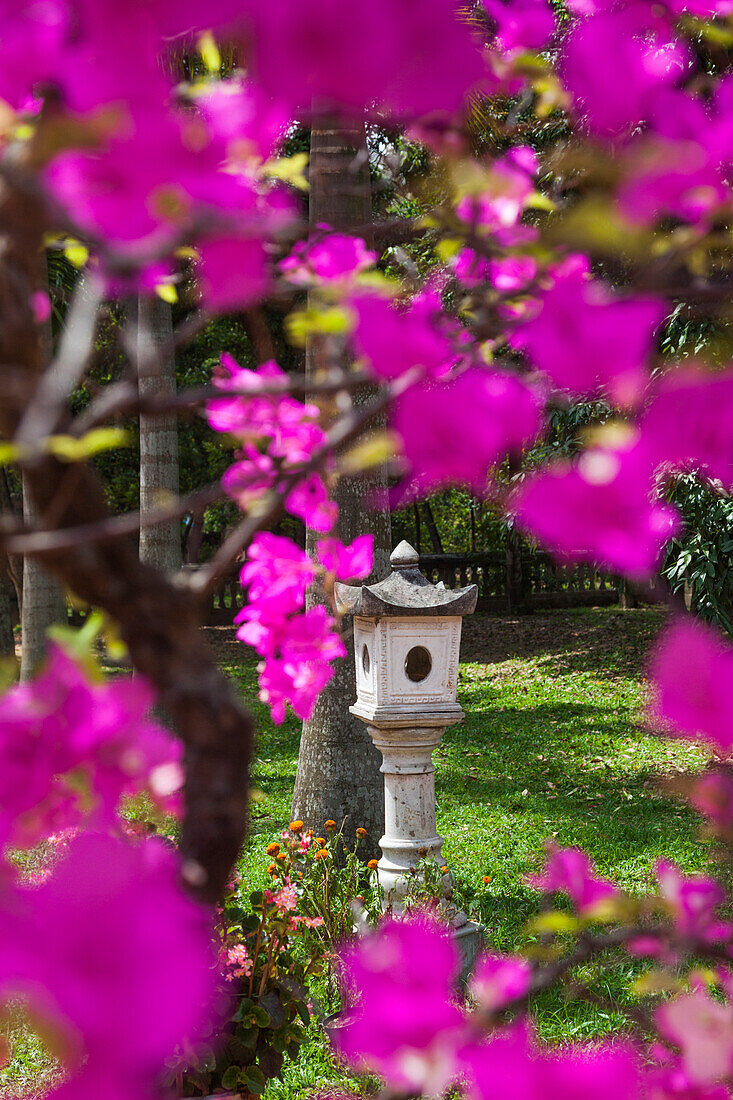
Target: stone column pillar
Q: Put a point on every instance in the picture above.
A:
(410, 831)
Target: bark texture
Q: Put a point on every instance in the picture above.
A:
(338, 766)
(159, 622)
(43, 604)
(160, 545)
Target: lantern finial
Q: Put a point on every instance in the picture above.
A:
(404, 556)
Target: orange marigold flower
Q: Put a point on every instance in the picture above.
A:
(296, 826)
(486, 880)
(320, 841)
(322, 853)
(272, 869)
(282, 858)
(361, 833)
(272, 849)
(444, 869)
(373, 864)
(330, 824)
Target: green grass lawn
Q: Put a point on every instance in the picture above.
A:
(552, 745)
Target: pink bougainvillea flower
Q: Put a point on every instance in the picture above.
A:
(511, 1063)
(393, 341)
(311, 638)
(289, 426)
(693, 900)
(692, 675)
(276, 568)
(630, 39)
(571, 871)
(601, 509)
(33, 32)
(526, 25)
(309, 501)
(453, 432)
(471, 268)
(154, 183)
(249, 477)
(712, 795)
(364, 53)
(682, 165)
(232, 273)
(512, 273)
(347, 562)
(687, 424)
(297, 681)
(508, 185)
(586, 339)
(248, 126)
(71, 749)
(703, 1029)
(115, 958)
(333, 258)
(499, 979)
(403, 976)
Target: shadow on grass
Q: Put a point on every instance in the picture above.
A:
(606, 641)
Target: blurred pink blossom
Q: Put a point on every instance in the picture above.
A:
(571, 871)
(586, 338)
(601, 509)
(403, 1022)
(453, 432)
(691, 673)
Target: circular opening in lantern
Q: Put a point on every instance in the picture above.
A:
(418, 663)
(366, 662)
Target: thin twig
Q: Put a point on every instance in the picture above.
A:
(56, 385)
(52, 541)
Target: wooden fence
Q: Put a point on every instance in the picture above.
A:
(542, 583)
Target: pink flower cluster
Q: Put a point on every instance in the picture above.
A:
(239, 964)
(113, 959)
(277, 434)
(328, 259)
(71, 749)
(298, 646)
(404, 976)
(570, 871)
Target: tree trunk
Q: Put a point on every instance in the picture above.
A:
(160, 545)
(338, 766)
(43, 602)
(433, 529)
(418, 531)
(515, 589)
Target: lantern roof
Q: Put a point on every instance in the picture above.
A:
(405, 592)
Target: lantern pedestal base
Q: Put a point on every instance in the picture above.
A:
(467, 938)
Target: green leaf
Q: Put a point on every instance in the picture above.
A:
(255, 1079)
(68, 448)
(230, 1078)
(554, 921)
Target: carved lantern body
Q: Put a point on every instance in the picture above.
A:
(407, 634)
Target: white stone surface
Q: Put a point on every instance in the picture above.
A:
(406, 719)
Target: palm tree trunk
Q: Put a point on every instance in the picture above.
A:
(160, 545)
(43, 602)
(338, 766)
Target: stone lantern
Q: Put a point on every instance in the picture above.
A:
(407, 634)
